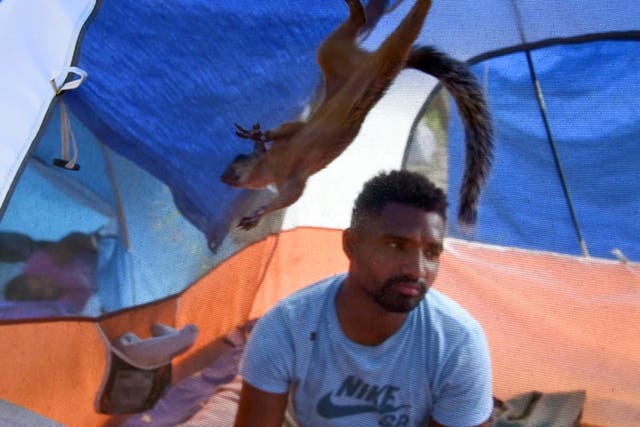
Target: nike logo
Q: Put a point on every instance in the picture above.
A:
(327, 409)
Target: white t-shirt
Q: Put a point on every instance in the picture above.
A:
(436, 365)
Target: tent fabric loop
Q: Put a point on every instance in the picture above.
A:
(74, 83)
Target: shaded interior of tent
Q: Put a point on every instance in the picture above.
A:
(551, 269)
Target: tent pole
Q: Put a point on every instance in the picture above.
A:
(116, 192)
(556, 157)
(547, 126)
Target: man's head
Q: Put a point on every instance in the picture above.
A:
(403, 187)
(31, 287)
(72, 246)
(395, 239)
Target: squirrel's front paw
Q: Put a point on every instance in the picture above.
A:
(250, 221)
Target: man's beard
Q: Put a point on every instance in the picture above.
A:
(393, 301)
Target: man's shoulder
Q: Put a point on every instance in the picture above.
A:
(447, 312)
(298, 314)
(310, 297)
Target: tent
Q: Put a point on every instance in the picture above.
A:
(149, 93)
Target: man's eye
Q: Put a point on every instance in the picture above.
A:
(432, 253)
(394, 244)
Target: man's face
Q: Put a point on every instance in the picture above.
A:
(395, 256)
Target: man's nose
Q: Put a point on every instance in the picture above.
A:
(414, 264)
(418, 265)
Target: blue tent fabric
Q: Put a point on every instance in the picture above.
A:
(17, 416)
(590, 92)
(167, 81)
(131, 269)
(167, 84)
(186, 75)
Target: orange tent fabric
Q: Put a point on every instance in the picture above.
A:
(554, 322)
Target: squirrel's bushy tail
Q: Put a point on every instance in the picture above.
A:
(457, 78)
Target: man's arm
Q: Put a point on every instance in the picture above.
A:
(464, 391)
(259, 408)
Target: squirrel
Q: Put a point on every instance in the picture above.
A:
(354, 80)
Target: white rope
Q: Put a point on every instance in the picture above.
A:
(67, 137)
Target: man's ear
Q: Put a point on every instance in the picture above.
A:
(349, 240)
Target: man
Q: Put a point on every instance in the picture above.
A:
(374, 347)
(61, 272)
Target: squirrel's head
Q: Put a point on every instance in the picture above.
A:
(247, 171)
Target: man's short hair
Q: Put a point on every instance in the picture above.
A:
(399, 186)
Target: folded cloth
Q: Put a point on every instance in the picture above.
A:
(156, 351)
(185, 398)
(536, 409)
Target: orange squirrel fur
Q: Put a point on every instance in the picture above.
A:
(354, 81)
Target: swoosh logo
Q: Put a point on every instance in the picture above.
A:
(327, 409)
